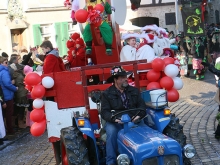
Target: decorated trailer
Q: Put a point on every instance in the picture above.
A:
(71, 113)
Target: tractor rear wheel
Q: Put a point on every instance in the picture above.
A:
(73, 147)
(175, 131)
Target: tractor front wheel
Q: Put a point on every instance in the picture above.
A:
(73, 147)
(175, 131)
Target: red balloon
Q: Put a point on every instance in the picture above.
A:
(163, 74)
(168, 60)
(28, 87)
(38, 129)
(38, 91)
(37, 115)
(81, 15)
(153, 85)
(32, 79)
(158, 64)
(153, 75)
(99, 7)
(172, 95)
(33, 96)
(166, 82)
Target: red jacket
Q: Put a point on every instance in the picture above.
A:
(79, 59)
(53, 63)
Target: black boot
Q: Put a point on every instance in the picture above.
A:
(74, 23)
(217, 132)
(1, 142)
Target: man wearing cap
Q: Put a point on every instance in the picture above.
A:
(118, 97)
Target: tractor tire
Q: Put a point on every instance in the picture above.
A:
(175, 131)
(73, 147)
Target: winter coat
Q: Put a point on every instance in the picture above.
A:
(111, 100)
(53, 63)
(79, 59)
(21, 93)
(5, 82)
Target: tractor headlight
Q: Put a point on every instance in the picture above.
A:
(189, 151)
(123, 159)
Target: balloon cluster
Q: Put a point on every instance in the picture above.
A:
(163, 75)
(93, 16)
(36, 85)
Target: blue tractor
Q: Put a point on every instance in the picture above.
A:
(160, 142)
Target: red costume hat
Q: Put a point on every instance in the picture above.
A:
(75, 36)
(80, 42)
(70, 44)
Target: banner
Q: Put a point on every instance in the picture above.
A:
(193, 23)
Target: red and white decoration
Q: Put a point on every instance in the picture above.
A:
(33, 84)
(164, 75)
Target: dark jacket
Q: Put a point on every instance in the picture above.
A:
(5, 82)
(2, 99)
(111, 100)
(213, 70)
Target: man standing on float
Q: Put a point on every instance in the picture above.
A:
(105, 29)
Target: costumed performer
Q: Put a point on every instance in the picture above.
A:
(145, 50)
(128, 52)
(162, 41)
(105, 29)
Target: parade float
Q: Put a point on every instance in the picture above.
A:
(68, 103)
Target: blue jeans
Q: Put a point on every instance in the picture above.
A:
(112, 130)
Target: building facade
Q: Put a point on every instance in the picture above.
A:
(26, 23)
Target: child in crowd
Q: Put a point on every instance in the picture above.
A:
(52, 61)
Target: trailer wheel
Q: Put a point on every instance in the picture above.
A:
(175, 131)
(73, 147)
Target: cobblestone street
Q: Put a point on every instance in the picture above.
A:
(195, 109)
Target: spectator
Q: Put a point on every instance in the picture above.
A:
(2, 126)
(21, 101)
(52, 61)
(5, 55)
(8, 91)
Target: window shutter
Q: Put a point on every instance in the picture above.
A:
(37, 35)
(58, 37)
(65, 37)
(62, 36)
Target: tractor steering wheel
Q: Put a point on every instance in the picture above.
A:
(116, 116)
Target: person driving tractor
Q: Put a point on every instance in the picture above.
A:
(118, 97)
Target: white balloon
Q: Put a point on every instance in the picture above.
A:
(171, 70)
(47, 82)
(178, 83)
(38, 103)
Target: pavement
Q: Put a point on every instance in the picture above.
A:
(195, 109)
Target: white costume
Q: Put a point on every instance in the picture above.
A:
(128, 53)
(162, 42)
(145, 51)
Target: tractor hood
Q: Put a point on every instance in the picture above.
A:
(142, 142)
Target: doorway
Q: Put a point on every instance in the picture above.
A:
(17, 39)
